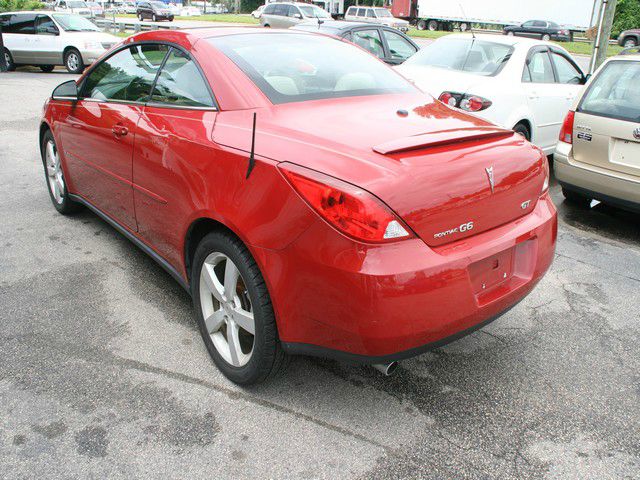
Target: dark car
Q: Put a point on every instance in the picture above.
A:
(156, 11)
(539, 29)
(386, 43)
(629, 38)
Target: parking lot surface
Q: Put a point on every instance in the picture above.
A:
(103, 373)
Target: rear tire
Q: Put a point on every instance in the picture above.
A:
(630, 42)
(266, 25)
(421, 25)
(216, 253)
(546, 37)
(432, 26)
(54, 176)
(140, 17)
(47, 68)
(154, 18)
(73, 61)
(510, 34)
(576, 198)
(464, 27)
(522, 129)
(9, 61)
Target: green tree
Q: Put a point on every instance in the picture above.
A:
(627, 16)
(11, 5)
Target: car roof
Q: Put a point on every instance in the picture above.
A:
(191, 35)
(340, 24)
(503, 39)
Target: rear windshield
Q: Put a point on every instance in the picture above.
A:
(290, 67)
(75, 23)
(615, 92)
(464, 55)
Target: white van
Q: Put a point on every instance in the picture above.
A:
(379, 15)
(47, 39)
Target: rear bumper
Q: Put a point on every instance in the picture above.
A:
(373, 304)
(595, 182)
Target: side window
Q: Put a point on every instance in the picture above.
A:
(181, 83)
(269, 9)
(128, 75)
(567, 72)
(528, 24)
(45, 26)
(361, 12)
(281, 10)
(369, 40)
(370, 13)
(538, 69)
(292, 11)
(399, 47)
(539, 23)
(351, 11)
(23, 23)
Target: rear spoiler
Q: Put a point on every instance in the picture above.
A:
(439, 138)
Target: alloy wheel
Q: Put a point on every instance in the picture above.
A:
(73, 61)
(54, 172)
(226, 309)
(7, 58)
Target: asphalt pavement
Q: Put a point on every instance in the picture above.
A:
(103, 373)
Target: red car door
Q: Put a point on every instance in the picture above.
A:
(174, 144)
(99, 134)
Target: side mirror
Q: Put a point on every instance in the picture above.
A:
(586, 78)
(297, 15)
(66, 91)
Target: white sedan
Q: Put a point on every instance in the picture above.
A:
(519, 83)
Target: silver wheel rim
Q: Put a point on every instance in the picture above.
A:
(54, 172)
(72, 61)
(629, 43)
(7, 59)
(226, 309)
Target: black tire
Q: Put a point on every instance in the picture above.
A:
(464, 27)
(66, 206)
(510, 34)
(546, 37)
(421, 25)
(171, 19)
(154, 18)
(266, 25)
(629, 42)
(268, 357)
(73, 61)
(575, 198)
(522, 129)
(140, 17)
(432, 25)
(9, 59)
(47, 68)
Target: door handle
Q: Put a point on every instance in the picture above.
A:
(119, 130)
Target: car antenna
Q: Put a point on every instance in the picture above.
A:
(464, 15)
(252, 160)
(473, 36)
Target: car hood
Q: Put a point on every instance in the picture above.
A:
(437, 80)
(95, 37)
(425, 160)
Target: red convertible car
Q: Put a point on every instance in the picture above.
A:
(310, 199)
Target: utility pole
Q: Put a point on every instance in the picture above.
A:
(605, 22)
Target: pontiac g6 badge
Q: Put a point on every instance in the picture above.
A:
(489, 171)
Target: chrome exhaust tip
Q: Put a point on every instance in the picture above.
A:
(386, 369)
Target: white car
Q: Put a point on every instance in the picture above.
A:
(379, 15)
(518, 83)
(258, 11)
(78, 7)
(47, 39)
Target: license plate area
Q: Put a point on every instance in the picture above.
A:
(497, 275)
(625, 154)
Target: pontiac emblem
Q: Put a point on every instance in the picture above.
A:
(636, 133)
(489, 171)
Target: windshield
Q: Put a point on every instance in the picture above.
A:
(76, 4)
(465, 55)
(291, 67)
(313, 12)
(75, 23)
(159, 5)
(615, 92)
(382, 12)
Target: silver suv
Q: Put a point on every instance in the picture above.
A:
(378, 15)
(285, 15)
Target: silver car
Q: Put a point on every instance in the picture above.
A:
(285, 15)
(379, 15)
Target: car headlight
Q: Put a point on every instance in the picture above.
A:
(92, 45)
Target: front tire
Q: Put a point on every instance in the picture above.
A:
(421, 25)
(546, 37)
(73, 61)
(629, 42)
(9, 61)
(510, 34)
(234, 311)
(154, 18)
(54, 175)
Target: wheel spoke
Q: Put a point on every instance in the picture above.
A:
(230, 280)
(244, 320)
(214, 321)
(51, 171)
(234, 343)
(60, 184)
(51, 153)
(214, 286)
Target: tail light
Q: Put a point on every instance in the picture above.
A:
(566, 133)
(545, 168)
(469, 103)
(349, 209)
